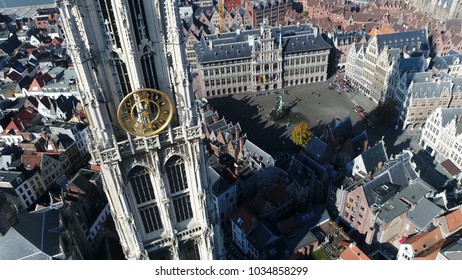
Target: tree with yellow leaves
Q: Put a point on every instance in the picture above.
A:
(302, 134)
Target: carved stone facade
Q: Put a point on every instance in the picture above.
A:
(264, 60)
(156, 186)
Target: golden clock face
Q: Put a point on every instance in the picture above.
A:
(145, 112)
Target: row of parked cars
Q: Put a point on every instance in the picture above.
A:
(364, 116)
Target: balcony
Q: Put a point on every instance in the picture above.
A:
(125, 148)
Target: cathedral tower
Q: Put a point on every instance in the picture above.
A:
(146, 134)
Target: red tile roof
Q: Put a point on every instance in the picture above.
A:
(454, 220)
(244, 218)
(353, 253)
(450, 167)
(422, 243)
(258, 204)
(286, 226)
(278, 195)
(32, 161)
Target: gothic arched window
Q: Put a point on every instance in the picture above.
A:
(121, 73)
(148, 68)
(143, 192)
(138, 17)
(178, 183)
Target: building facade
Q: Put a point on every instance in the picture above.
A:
(446, 9)
(21, 192)
(373, 66)
(441, 135)
(274, 11)
(424, 93)
(157, 196)
(267, 59)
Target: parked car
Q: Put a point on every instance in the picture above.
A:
(358, 109)
(371, 123)
(363, 115)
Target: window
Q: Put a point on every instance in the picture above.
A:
(141, 184)
(178, 182)
(176, 174)
(151, 218)
(143, 192)
(182, 206)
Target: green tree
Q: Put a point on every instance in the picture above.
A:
(302, 134)
(386, 111)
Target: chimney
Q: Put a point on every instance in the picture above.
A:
(210, 44)
(369, 174)
(215, 117)
(238, 133)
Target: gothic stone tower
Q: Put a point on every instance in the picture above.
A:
(149, 153)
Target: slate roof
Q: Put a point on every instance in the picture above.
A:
(457, 84)
(411, 39)
(63, 141)
(397, 206)
(67, 105)
(299, 238)
(358, 142)
(350, 37)
(219, 124)
(419, 77)
(312, 218)
(205, 10)
(223, 50)
(341, 129)
(448, 114)
(35, 237)
(424, 213)
(261, 237)
(374, 155)
(11, 44)
(443, 62)
(254, 151)
(453, 251)
(430, 89)
(9, 176)
(316, 149)
(236, 46)
(412, 64)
